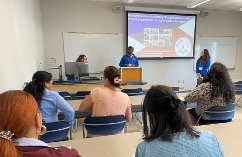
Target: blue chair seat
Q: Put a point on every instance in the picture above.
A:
(104, 125)
(134, 83)
(175, 89)
(82, 94)
(133, 92)
(65, 95)
(56, 131)
(217, 114)
(238, 82)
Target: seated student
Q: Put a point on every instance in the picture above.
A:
(108, 100)
(20, 125)
(167, 129)
(49, 101)
(216, 89)
(81, 58)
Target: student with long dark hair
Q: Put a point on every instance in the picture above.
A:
(203, 63)
(168, 131)
(216, 89)
(49, 101)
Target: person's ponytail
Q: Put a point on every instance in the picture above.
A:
(7, 149)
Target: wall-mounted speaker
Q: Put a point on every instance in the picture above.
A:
(204, 13)
(117, 9)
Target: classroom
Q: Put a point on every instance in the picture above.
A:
(33, 31)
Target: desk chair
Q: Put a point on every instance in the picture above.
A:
(65, 95)
(56, 131)
(133, 92)
(104, 125)
(175, 89)
(238, 86)
(238, 82)
(219, 114)
(82, 94)
(238, 91)
(134, 83)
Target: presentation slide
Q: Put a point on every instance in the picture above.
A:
(159, 35)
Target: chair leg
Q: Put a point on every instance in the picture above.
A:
(199, 120)
(83, 131)
(125, 127)
(76, 123)
(70, 132)
(138, 118)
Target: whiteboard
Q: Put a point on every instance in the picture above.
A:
(221, 49)
(101, 49)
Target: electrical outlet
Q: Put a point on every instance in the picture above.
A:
(52, 60)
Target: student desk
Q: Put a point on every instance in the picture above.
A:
(74, 88)
(229, 136)
(122, 145)
(136, 102)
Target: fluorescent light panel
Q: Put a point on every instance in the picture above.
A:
(197, 3)
(130, 1)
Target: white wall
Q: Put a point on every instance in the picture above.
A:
(82, 16)
(21, 39)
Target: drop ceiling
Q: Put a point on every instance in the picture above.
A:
(234, 5)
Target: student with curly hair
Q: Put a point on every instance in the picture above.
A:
(216, 89)
(168, 131)
(49, 101)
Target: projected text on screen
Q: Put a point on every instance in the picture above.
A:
(161, 35)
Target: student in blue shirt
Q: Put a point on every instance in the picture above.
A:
(49, 101)
(203, 63)
(168, 130)
(129, 60)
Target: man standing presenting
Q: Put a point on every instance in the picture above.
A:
(129, 60)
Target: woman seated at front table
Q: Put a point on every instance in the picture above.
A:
(216, 89)
(49, 101)
(168, 131)
(20, 125)
(108, 100)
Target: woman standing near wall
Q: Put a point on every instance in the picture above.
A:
(203, 63)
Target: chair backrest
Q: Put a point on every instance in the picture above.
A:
(56, 131)
(82, 94)
(238, 92)
(134, 83)
(175, 89)
(65, 95)
(238, 86)
(133, 92)
(104, 125)
(238, 82)
(220, 112)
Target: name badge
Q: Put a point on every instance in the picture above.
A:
(200, 68)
